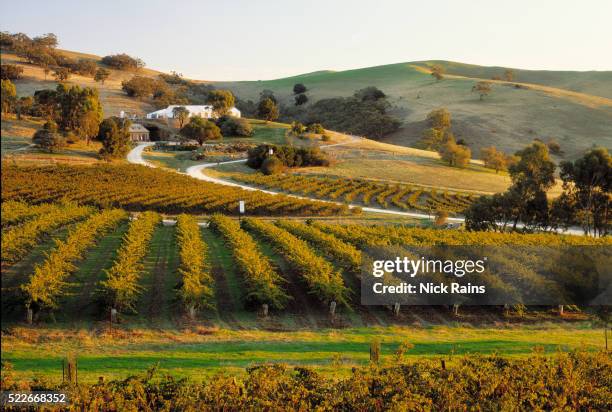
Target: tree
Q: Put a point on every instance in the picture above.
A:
(532, 176)
(437, 72)
(587, 184)
(10, 72)
(114, 133)
(101, 75)
(123, 62)
(235, 126)
(554, 147)
(490, 213)
(24, 106)
(299, 88)
(141, 87)
(88, 125)
(439, 119)
(353, 115)
(454, 154)
(61, 74)
(268, 94)
(267, 110)
(494, 159)
(369, 93)
(482, 88)
(9, 95)
(315, 128)
(221, 100)
(201, 130)
(301, 99)
(48, 40)
(297, 128)
(85, 67)
(74, 105)
(181, 114)
(508, 75)
(48, 138)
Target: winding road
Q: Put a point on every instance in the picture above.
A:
(197, 172)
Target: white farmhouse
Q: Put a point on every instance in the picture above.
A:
(205, 111)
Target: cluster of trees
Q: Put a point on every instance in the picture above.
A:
(114, 133)
(272, 159)
(267, 108)
(496, 159)
(439, 136)
(73, 111)
(10, 72)
(263, 284)
(201, 130)
(299, 92)
(365, 113)
(157, 90)
(41, 51)
(235, 126)
(585, 200)
(297, 128)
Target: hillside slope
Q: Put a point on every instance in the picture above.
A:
(574, 108)
(511, 117)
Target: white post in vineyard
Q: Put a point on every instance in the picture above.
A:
(240, 210)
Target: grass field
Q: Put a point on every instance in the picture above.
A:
(200, 352)
(16, 144)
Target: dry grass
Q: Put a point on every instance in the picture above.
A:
(429, 174)
(113, 99)
(16, 138)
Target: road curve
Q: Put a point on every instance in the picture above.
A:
(135, 155)
(197, 172)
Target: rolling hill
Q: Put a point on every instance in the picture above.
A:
(575, 108)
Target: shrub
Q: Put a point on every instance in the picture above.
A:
(235, 126)
(85, 67)
(10, 72)
(201, 130)
(139, 86)
(272, 166)
(299, 88)
(315, 128)
(48, 138)
(301, 99)
(123, 62)
(288, 155)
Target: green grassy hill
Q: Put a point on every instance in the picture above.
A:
(538, 104)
